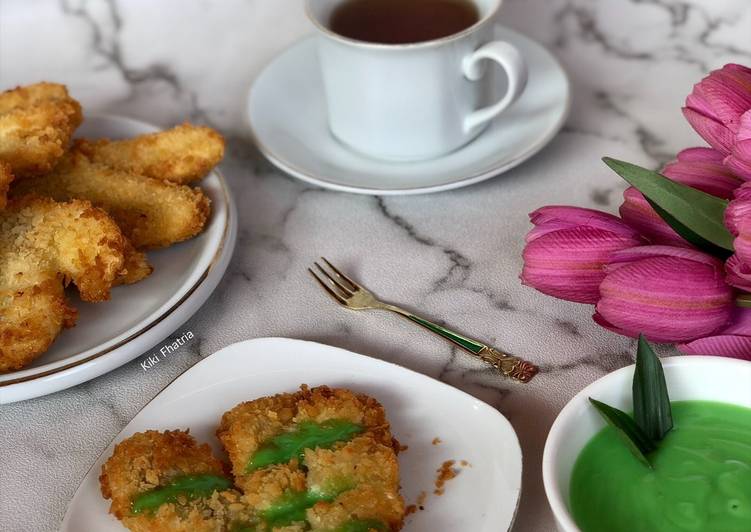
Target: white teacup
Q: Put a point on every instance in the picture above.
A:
(407, 102)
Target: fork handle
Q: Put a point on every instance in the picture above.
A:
(508, 365)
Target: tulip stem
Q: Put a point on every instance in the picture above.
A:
(744, 300)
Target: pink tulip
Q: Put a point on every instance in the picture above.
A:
(715, 106)
(734, 341)
(739, 160)
(568, 248)
(738, 274)
(700, 168)
(669, 294)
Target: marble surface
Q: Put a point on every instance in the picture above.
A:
(455, 255)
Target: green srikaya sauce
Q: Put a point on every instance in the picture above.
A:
(305, 435)
(700, 482)
(188, 486)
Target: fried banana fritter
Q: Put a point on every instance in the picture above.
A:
(142, 470)
(43, 246)
(150, 212)
(36, 126)
(182, 154)
(334, 442)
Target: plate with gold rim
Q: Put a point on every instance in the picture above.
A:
(483, 497)
(110, 334)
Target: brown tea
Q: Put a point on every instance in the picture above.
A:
(402, 21)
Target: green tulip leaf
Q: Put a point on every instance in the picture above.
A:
(652, 411)
(689, 236)
(693, 214)
(744, 301)
(637, 441)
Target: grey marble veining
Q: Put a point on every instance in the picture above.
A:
(455, 256)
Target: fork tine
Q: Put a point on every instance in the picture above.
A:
(339, 274)
(336, 297)
(327, 275)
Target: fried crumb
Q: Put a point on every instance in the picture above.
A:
(401, 447)
(437, 441)
(409, 510)
(464, 463)
(445, 473)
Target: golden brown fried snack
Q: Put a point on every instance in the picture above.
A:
(182, 154)
(36, 125)
(150, 212)
(43, 246)
(151, 460)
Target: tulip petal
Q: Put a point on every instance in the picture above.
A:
(722, 345)
(568, 263)
(639, 214)
(666, 298)
(740, 324)
(738, 274)
(703, 169)
(739, 160)
(555, 217)
(715, 133)
(622, 257)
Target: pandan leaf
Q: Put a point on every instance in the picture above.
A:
(652, 411)
(638, 442)
(694, 211)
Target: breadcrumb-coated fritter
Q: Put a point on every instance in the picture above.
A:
(44, 245)
(248, 425)
(150, 212)
(351, 480)
(152, 459)
(182, 154)
(36, 126)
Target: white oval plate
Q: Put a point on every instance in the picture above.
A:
(287, 113)
(482, 498)
(109, 334)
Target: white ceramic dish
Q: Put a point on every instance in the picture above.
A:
(287, 115)
(688, 378)
(482, 498)
(107, 335)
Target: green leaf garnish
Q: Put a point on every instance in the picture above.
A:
(652, 411)
(695, 215)
(639, 443)
(188, 486)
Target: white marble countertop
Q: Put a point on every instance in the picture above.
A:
(455, 256)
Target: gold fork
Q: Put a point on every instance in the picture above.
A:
(349, 294)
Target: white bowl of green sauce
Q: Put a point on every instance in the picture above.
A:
(701, 476)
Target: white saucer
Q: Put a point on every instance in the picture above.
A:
(109, 334)
(286, 110)
(482, 498)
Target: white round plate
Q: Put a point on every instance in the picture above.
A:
(287, 114)
(482, 498)
(109, 334)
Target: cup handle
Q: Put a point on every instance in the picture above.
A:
(509, 58)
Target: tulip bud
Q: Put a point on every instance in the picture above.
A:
(669, 294)
(567, 249)
(716, 104)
